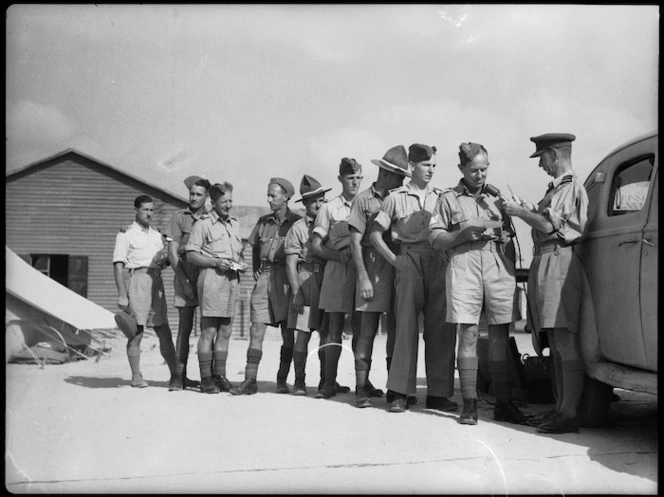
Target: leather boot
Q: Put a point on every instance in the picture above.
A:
(137, 381)
(248, 387)
(469, 413)
(284, 368)
(542, 418)
(222, 382)
(560, 423)
(187, 383)
(389, 397)
(177, 383)
(508, 412)
(362, 399)
(208, 386)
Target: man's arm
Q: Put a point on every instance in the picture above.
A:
(530, 217)
(320, 250)
(294, 281)
(366, 288)
(376, 238)
(118, 271)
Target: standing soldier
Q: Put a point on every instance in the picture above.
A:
(270, 299)
(337, 296)
(419, 288)
(555, 277)
(186, 274)
(469, 225)
(140, 249)
(305, 276)
(375, 276)
(215, 245)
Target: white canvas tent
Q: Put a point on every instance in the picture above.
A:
(38, 309)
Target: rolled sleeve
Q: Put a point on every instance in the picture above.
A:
(386, 212)
(357, 220)
(173, 229)
(196, 239)
(292, 243)
(322, 223)
(121, 249)
(440, 219)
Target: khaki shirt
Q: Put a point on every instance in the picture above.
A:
(565, 206)
(363, 214)
(214, 237)
(332, 223)
(179, 229)
(299, 239)
(458, 204)
(137, 247)
(270, 235)
(403, 211)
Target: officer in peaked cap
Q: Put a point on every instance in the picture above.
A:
(419, 288)
(337, 295)
(270, 298)
(375, 276)
(305, 276)
(556, 276)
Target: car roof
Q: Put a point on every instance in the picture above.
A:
(638, 138)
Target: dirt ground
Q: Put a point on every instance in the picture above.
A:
(81, 428)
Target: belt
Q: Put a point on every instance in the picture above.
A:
(313, 267)
(149, 270)
(423, 246)
(266, 265)
(478, 245)
(555, 247)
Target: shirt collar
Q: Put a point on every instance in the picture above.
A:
(139, 227)
(288, 218)
(462, 189)
(374, 192)
(187, 210)
(409, 189)
(559, 180)
(216, 218)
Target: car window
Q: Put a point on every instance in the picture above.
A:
(630, 186)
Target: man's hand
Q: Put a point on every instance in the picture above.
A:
(366, 288)
(472, 233)
(123, 302)
(257, 274)
(298, 303)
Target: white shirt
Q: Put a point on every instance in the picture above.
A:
(138, 247)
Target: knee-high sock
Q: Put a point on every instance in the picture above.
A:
(467, 367)
(573, 378)
(500, 377)
(332, 354)
(219, 367)
(284, 363)
(134, 357)
(299, 364)
(205, 364)
(253, 360)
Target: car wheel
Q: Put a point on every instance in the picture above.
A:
(595, 402)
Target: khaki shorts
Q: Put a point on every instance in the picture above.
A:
(480, 277)
(270, 299)
(555, 284)
(310, 283)
(147, 300)
(337, 293)
(381, 275)
(218, 292)
(180, 299)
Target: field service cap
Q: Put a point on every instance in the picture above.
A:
(349, 166)
(309, 188)
(395, 160)
(218, 189)
(285, 184)
(551, 140)
(467, 151)
(189, 182)
(419, 153)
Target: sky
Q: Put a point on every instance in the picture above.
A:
(241, 93)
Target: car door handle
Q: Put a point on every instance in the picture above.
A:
(648, 243)
(628, 241)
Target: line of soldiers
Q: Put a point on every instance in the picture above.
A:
(393, 251)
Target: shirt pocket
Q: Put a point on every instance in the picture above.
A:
(218, 242)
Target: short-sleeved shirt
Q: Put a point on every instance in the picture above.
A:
(269, 234)
(458, 204)
(332, 222)
(213, 236)
(404, 212)
(179, 229)
(363, 214)
(299, 239)
(138, 247)
(565, 206)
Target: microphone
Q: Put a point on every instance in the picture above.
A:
(492, 190)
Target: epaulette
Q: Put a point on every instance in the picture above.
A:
(566, 179)
(158, 230)
(399, 189)
(124, 229)
(437, 191)
(205, 215)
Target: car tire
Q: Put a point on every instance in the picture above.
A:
(595, 402)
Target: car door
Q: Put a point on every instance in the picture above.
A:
(614, 252)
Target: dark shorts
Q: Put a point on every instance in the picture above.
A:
(270, 299)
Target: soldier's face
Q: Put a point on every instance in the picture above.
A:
(224, 204)
(423, 171)
(276, 197)
(197, 196)
(350, 183)
(144, 213)
(394, 180)
(314, 205)
(546, 161)
(475, 171)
